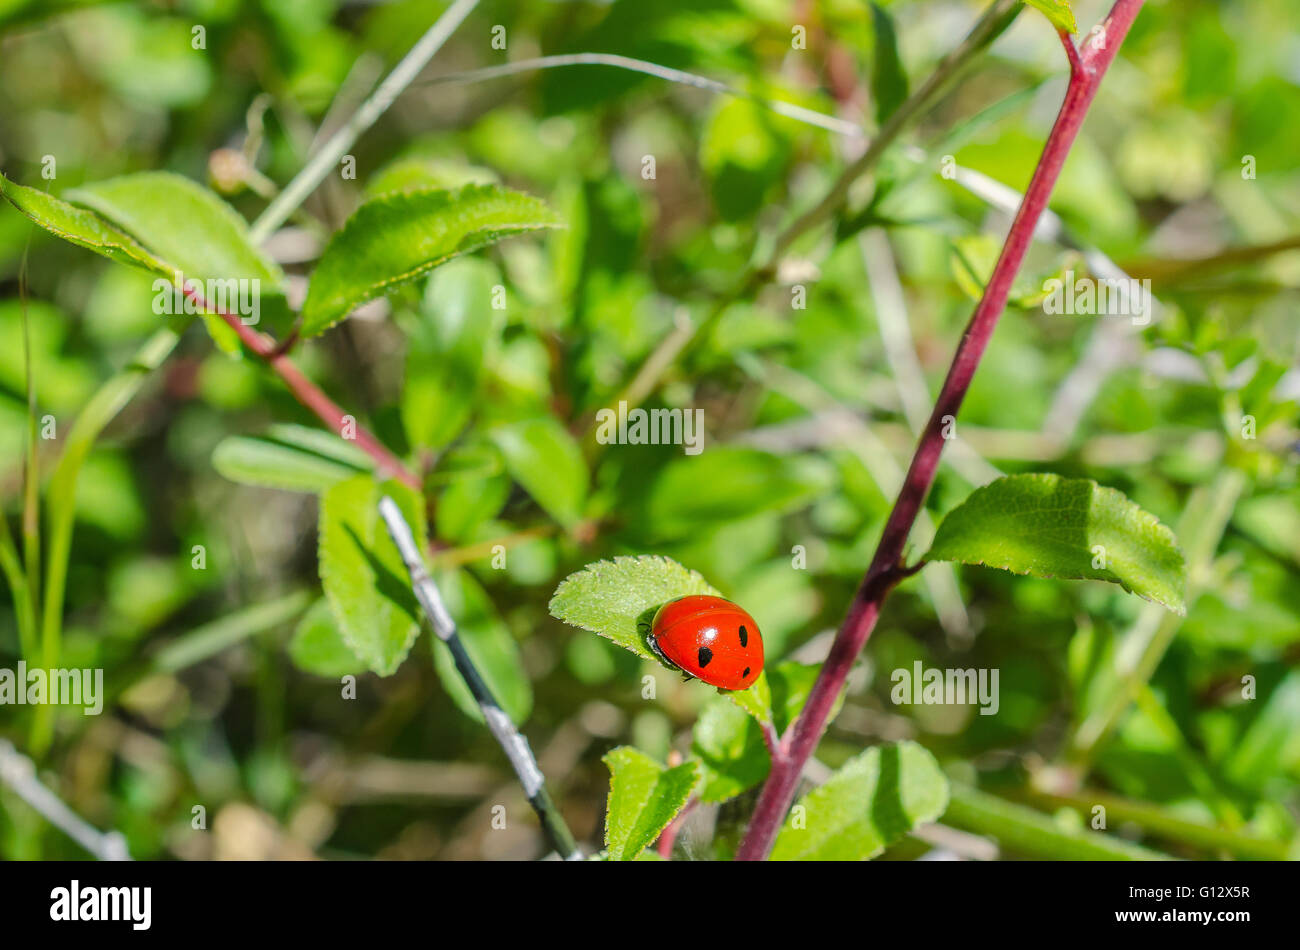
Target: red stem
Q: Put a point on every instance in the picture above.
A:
(1086, 71)
(668, 837)
(308, 393)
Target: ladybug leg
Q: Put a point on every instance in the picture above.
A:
(654, 648)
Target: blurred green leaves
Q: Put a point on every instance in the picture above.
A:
(289, 457)
(318, 647)
(200, 234)
(544, 458)
(81, 227)
(888, 78)
(165, 224)
(448, 346)
(725, 484)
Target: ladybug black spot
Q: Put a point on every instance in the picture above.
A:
(705, 657)
(745, 675)
(744, 636)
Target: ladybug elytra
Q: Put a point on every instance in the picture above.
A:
(709, 638)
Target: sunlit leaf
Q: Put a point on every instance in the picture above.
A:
(1058, 11)
(1050, 526)
(364, 578)
(397, 237)
(867, 805)
(643, 798)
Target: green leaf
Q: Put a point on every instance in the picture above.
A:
(542, 456)
(394, 238)
(1050, 526)
(729, 743)
(289, 457)
(490, 645)
(888, 79)
(618, 599)
(422, 171)
(727, 484)
(447, 350)
(1058, 11)
(871, 802)
(318, 647)
(1270, 743)
(742, 152)
(197, 233)
(467, 504)
(81, 227)
(219, 635)
(643, 798)
(362, 572)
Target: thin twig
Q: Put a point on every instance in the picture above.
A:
(320, 164)
(114, 394)
(788, 109)
(989, 25)
(19, 773)
(885, 570)
(844, 428)
(900, 352)
(512, 741)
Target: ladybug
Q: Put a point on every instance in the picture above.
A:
(709, 638)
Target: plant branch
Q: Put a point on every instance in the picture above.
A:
(507, 734)
(787, 109)
(885, 571)
(994, 20)
(308, 393)
(19, 773)
(1163, 822)
(668, 837)
(986, 29)
(114, 394)
(1027, 831)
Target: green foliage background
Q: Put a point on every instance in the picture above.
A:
(223, 681)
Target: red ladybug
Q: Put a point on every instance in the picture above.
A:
(709, 638)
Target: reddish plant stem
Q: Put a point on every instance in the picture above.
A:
(668, 837)
(886, 569)
(309, 394)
